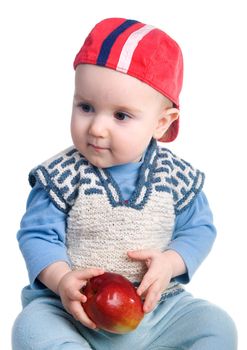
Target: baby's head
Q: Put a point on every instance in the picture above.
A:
(131, 71)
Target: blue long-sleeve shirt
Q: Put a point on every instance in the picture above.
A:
(42, 235)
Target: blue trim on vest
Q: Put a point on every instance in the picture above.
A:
(161, 171)
(34, 176)
(194, 190)
(110, 40)
(144, 181)
(181, 166)
(55, 162)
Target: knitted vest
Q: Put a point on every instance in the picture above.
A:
(101, 226)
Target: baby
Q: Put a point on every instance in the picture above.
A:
(119, 201)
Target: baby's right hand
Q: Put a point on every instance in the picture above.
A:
(69, 290)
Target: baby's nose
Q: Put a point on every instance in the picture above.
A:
(99, 126)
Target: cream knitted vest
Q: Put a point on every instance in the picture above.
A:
(101, 226)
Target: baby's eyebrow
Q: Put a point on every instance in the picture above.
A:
(120, 107)
(80, 97)
(128, 108)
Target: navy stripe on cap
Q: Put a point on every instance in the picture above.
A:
(110, 40)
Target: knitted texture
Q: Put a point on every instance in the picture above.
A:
(101, 226)
(100, 234)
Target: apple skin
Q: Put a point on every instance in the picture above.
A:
(112, 303)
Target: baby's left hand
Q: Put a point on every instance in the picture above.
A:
(156, 279)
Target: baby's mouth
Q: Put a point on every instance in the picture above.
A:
(98, 148)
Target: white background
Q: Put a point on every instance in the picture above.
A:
(39, 40)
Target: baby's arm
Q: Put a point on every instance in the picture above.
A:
(42, 242)
(193, 237)
(67, 284)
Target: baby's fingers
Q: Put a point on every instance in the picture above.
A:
(147, 281)
(152, 298)
(89, 273)
(79, 314)
(76, 295)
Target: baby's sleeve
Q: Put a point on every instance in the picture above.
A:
(41, 236)
(193, 236)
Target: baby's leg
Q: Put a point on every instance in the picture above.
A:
(44, 325)
(194, 324)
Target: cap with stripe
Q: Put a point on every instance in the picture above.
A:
(139, 50)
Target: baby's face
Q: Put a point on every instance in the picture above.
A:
(114, 116)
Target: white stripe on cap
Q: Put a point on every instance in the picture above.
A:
(130, 46)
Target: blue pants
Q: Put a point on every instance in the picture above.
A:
(179, 322)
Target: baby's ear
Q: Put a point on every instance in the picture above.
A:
(167, 117)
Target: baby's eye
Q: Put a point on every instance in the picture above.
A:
(121, 116)
(86, 107)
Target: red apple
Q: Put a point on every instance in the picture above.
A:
(112, 303)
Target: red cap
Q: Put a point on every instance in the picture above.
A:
(139, 50)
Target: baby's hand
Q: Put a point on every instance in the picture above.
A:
(69, 290)
(156, 279)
